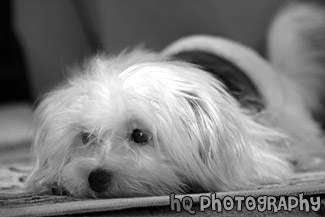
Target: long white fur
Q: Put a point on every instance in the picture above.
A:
(286, 107)
(200, 135)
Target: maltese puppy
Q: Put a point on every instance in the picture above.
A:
(206, 114)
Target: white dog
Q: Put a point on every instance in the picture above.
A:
(146, 123)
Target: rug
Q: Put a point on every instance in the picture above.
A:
(302, 195)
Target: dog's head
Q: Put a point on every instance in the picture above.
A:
(140, 124)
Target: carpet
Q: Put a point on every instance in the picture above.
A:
(305, 188)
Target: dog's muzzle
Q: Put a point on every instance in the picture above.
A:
(99, 180)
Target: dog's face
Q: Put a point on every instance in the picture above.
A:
(140, 125)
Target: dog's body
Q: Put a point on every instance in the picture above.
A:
(146, 123)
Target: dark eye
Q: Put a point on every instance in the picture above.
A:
(86, 138)
(140, 137)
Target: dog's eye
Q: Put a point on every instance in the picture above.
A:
(140, 137)
(87, 137)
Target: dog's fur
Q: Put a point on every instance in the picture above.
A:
(195, 135)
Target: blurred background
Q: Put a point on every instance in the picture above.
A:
(40, 38)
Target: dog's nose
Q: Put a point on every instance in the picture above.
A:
(99, 180)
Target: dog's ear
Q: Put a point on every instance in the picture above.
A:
(235, 150)
(217, 144)
(48, 143)
(38, 175)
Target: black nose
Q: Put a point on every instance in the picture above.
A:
(99, 180)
